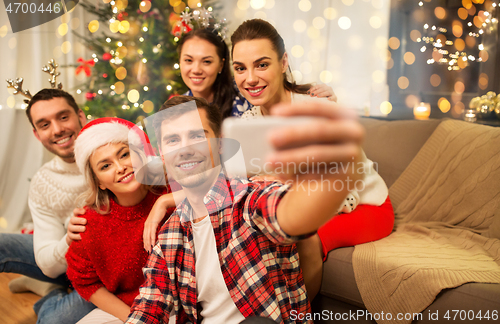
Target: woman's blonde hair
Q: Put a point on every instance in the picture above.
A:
(97, 199)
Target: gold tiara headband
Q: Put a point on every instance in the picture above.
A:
(17, 84)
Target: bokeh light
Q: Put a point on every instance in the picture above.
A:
(409, 58)
(415, 35)
(313, 33)
(330, 13)
(462, 13)
(344, 23)
(403, 83)
(385, 107)
(459, 87)
(326, 76)
(394, 43)
(257, 4)
(66, 47)
(435, 80)
(444, 105)
(144, 6)
(467, 4)
(3, 31)
(299, 25)
(483, 81)
(459, 44)
(411, 101)
(440, 12)
(458, 109)
(305, 5)
(390, 64)
(93, 26)
(470, 41)
(375, 22)
(133, 96)
(297, 51)
(243, 4)
(484, 55)
(11, 101)
(121, 73)
(114, 27)
(124, 26)
(148, 106)
(63, 29)
(348, 2)
(318, 22)
(457, 28)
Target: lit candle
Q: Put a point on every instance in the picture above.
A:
(422, 110)
(470, 115)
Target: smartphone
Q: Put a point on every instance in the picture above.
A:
(245, 146)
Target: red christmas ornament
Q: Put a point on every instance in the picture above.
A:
(172, 95)
(85, 67)
(90, 96)
(104, 75)
(121, 16)
(106, 56)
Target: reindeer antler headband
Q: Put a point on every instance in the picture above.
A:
(17, 84)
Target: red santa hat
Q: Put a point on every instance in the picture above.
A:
(108, 130)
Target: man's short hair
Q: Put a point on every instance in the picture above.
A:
(213, 113)
(47, 94)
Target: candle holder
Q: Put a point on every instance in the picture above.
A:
(422, 110)
(470, 115)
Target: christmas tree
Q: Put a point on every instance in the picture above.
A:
(134, 66)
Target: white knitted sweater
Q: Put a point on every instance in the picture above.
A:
(52, 196)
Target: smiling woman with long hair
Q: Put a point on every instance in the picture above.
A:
(260, 66)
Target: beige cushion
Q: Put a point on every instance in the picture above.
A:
(393, 144)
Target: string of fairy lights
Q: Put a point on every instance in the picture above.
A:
(467, 31)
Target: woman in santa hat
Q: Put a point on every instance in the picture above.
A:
(105, 266)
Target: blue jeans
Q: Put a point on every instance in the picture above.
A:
(17, 256)
(62, 307)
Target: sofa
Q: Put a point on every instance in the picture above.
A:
(392, 145)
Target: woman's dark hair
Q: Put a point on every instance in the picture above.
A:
(223, 87)
(261, 29)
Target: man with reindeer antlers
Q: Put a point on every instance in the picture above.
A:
(56, 121)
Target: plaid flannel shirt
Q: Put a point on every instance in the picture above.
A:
(259, 262)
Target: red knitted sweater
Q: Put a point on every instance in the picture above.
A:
(111, 253)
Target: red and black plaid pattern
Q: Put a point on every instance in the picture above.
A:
(259, 262)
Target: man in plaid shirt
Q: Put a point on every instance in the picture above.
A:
(228, 251)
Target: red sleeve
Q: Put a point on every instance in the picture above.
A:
(81, 271)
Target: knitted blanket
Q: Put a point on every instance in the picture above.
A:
(447, 228)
